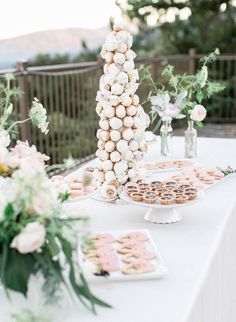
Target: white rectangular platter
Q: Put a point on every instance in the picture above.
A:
(158, 262)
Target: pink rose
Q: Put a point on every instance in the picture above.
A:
(30, 239)
(171, 110)
(198, 113)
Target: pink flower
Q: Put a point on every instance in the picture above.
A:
(30, 239)
(198, 113)
(28, 156)
(171, 110)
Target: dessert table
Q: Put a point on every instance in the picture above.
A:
(199, 251)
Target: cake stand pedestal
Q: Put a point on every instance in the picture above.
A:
(162, 216)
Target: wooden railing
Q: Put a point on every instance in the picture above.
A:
(69, 91)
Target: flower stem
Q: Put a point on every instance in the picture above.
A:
(16, 123)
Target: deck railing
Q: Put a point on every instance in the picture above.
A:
(69, 91)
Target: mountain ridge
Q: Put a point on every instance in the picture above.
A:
(54, 41)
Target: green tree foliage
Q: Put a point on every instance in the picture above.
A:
(85, 55)
(200, 24)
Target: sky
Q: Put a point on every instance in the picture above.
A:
(26, 16)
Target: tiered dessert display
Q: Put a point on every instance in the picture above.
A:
(122, 119)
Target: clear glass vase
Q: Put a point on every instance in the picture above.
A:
(166, 133)
(190, 141)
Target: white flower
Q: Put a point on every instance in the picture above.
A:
(30, 239)
(38, 116)
(4, 138)
(202, 76)
(109, 191)
(198, 113)
(167, 110)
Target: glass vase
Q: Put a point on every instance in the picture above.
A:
(190, 141)
(166, 133)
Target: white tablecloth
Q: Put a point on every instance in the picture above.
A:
(200, 253)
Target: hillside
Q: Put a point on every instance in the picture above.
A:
(50, 41)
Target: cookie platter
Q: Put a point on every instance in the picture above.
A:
(121, 256)
(74, 186)
(163, 198)
(169, 165)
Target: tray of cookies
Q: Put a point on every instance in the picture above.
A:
(77, 188)
(161, 194)
(168, 165)
(121, 256)
(199, 177)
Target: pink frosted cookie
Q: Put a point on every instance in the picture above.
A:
(219, 175)
(105, 237)
(134, 236)
(198, 184)
(76, 193)
(109, 264)
(89, 189)
(209, 179)
(138, 253)
(210, 171)
(123, 250)
(133, 244)
(138, 266)
(57, 178)
(76, 186)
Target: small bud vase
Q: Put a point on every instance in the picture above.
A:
(190, 141)
(166, 133)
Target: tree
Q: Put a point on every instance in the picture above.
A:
(200, 24)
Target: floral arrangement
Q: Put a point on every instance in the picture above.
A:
(122, 119)
(37, 113)
(35, 235)
(184, 94)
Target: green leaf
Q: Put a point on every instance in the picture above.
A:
(9, 210)
(200, 96)
(199, 124)
(17, 270)
(52, 245)
(82, 291)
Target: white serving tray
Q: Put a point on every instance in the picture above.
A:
(195, 163)
(160, 272)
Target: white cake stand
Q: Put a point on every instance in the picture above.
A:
(159, 214)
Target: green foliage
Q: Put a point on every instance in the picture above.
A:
(206, 24)
(86, 54)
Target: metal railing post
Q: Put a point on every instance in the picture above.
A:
(24, 100)
(192, 54)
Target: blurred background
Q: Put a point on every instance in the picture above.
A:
(52, 48)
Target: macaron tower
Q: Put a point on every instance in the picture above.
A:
(122, 119)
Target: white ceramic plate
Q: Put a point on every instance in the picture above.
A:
(158, 262)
